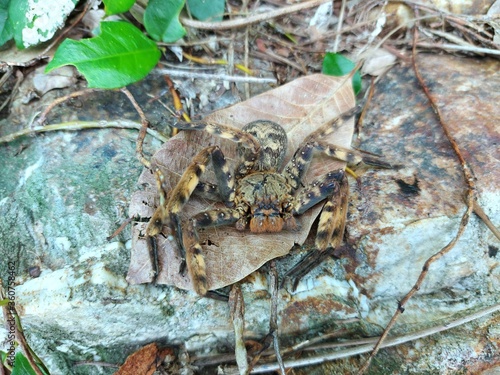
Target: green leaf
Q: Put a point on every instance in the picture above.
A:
(6, 32)
(211, 10)
(161, 20)
(18, 21)
(334, 64)
(22, 366)
(117, 6)
(120, 55)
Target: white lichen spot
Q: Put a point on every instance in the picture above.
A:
(44, 18)
(29, 171)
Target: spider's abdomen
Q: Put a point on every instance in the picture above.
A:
(273, 141)
(267, 197)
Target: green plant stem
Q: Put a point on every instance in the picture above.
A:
(80, 125)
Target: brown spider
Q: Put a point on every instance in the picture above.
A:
(257, 195)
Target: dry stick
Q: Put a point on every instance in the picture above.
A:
(273, 322)
(142, 132)
(309, 345)
(5, 77)
(219, 77)
(482, 215)
(237, 311)
(470, 195)
(393, 341)
(80, 125)
(231, 24)
(339, 26)
(369, 96)
(465, 30)
(454, 47)
(43, 115)
(274, 56)
(357, 347)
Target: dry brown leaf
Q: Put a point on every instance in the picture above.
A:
(144, 361)
(230, 255)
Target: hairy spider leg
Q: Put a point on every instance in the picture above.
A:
(207, 190)
(168, 212)
(331, 224)
(245, 139)
(194, 252)
(223, 131)
(296, 168)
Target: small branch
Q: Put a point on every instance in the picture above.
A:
(486, 220)
(339, 26)
(237, 309)
(209, 76)
(454, 47)
(62, 99)
(80, 125)
(142, 132)
(241, 22)
(318, 359)
(273, 322)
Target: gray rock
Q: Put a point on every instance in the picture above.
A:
(63, 194)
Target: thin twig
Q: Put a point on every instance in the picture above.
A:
(237, 310)
(454, 47)
(273, 322)
(482, 215)
(470, 196)
(209, 76)
(339, 26)
(277, 58)
(80, 125)
(3, 80)
(142, 132)
(43, 116)
(309, 345)
(120, 229)
(255, 18)
(326, 357)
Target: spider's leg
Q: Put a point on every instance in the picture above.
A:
(169, 210)
(207, 190)
(332, 220)
(296, 168)
(223, 131)
(318, 190)
(194, 252)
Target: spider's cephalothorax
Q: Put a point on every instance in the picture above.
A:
(261, 194)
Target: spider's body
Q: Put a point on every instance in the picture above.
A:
(261, 194)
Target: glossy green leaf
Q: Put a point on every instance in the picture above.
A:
(161, 20)
(117, 6)
(120, 55)
(6, 32)
(18, 21)
(334, 64)
(209, 10)
(22, 366)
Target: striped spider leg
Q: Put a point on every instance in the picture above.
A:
(333, 186)
(168, 210)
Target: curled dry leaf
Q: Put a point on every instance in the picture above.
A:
(144, 361)
(230, 255)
